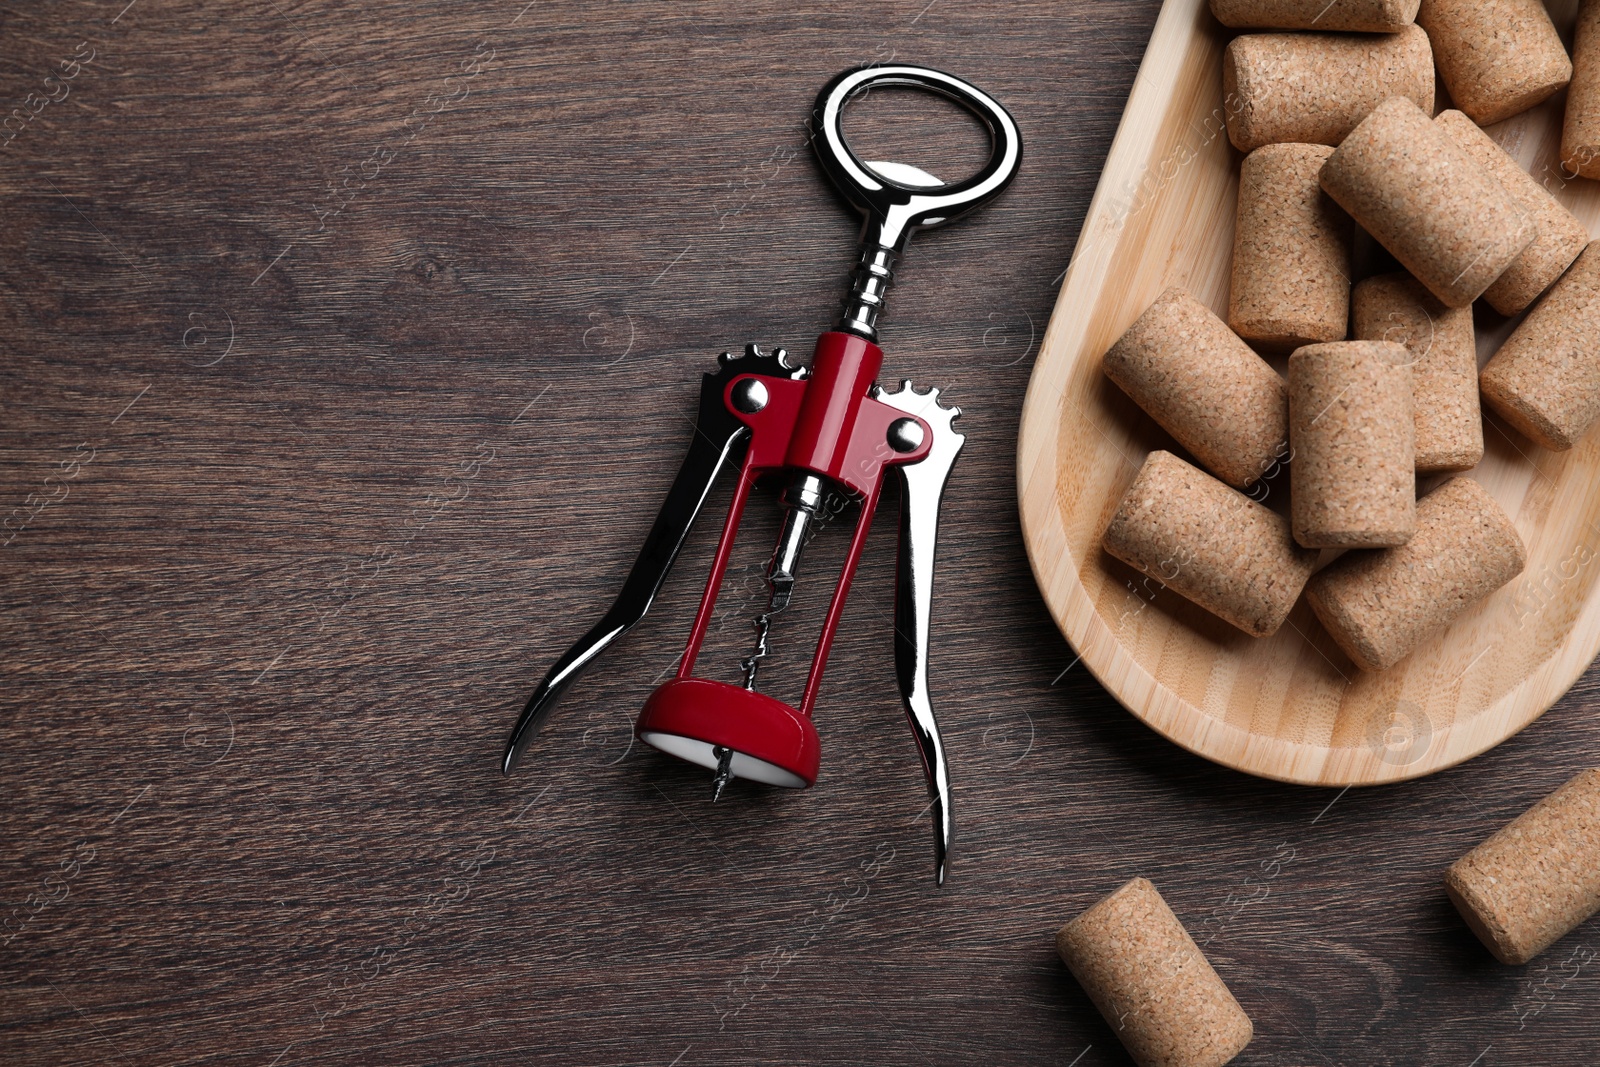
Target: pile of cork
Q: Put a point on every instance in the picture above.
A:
(1382, 376)
(1383, 385)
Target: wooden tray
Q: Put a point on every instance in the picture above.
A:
(1291, 707)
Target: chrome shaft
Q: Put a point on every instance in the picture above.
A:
(868, 291)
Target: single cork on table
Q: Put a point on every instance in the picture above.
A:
(1444, 217)
(1314, 88)
(1443, 352)
(1545, 380)
(1152, 983)
(1361, 16)
(1352, 429)
(1207, 388)
(1538, 877)
(1559, 236)
(1378, 606)
(1291, 251)
(1580, 128)
(1209, 543)
(1498, 58)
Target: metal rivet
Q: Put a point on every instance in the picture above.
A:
(905, 435)
(750, 396)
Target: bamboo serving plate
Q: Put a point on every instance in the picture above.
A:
(1290, 707)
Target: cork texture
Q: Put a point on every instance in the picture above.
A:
(1152, 983)
(1497, 58)
(1291, 251)
(1580, 128)
(1362, 16)
(1442, 215)
(1442, 350)
(1314, 88)
(1209, 543)
(1538, 877)
(1545, 380)
(1378, 606)
(1352, 433)
(1559, 236)
(1207, 388)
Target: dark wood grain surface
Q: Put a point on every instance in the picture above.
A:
(348, 349)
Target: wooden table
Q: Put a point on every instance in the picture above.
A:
(348, 350)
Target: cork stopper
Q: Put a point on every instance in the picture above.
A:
(1209, 543)
(1545, 379)
(1442, 215)
(1362, 16)
(1152, 983)
(1207, 388)
(1291, 251)
(1538, 877)
(1378, 606)
(1353, 436)
(1440, 344)
(1580, 128)
(1498, 58)
(1313, 88)
(1559, 236)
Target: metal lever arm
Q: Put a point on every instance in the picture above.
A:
(922, 486)
(719, 437)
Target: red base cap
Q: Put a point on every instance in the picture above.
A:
(771, 742)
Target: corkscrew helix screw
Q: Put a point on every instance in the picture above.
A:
(826, 430)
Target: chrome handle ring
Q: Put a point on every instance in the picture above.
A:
(896, 209)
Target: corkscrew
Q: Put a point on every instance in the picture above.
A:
(824, 431)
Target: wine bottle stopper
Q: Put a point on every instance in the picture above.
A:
(1207, 388)
(1538, 877)
(1152, 983)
